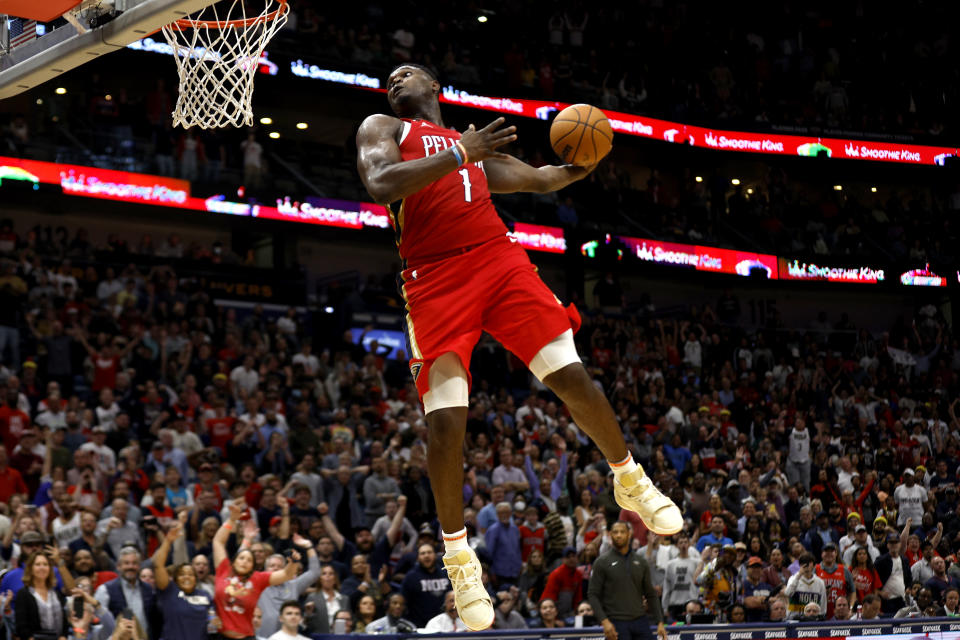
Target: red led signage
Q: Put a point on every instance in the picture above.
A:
(711, 259)
(98, 183)
(679, 133)
(539, 238)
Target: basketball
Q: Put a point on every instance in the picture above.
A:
(581, 135)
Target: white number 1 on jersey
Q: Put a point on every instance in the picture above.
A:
(466, 184)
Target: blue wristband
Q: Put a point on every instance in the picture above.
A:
(457, 155)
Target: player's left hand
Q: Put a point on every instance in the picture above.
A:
(661, 631)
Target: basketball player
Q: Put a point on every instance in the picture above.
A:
(461, 276)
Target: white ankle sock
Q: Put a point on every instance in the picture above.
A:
(455, 542)
(623, 466)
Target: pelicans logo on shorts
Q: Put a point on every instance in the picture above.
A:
(415, 369)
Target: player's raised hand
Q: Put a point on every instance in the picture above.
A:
(483, 143)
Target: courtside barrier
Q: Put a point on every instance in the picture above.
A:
(882, 629)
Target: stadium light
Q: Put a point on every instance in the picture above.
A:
(750, 191)
(838, 187)
(302, 125)
(274, 135)
(481, 19)
(699, 178)
(266, 120)
(60, 91)
(873, 189)
(735, 182)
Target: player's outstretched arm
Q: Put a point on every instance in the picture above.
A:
(388, 178)
(506, 174)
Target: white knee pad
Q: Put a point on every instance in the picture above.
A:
(555, 356)
(448, 384)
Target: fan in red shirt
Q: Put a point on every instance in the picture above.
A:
(106, 361)
(237, 585)
(533, 535)
(565, 581)
(11, 482)
(13, 421)
(219, 428)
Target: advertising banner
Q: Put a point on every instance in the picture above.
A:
(796, 269)
(627, 123)
(922, 278)
(710, 259)
(535, 237)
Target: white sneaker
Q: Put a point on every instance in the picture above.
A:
(656, 510)
(473, 602)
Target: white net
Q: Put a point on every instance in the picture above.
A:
(218, 51)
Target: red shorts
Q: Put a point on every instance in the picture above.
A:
(494, 288)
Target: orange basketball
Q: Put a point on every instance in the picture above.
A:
(581, 134)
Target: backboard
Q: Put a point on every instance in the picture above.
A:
(95, 28)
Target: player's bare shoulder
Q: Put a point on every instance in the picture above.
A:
(377, 128)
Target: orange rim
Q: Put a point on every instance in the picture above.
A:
(187, 23)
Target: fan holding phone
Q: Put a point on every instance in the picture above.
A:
(238, 586)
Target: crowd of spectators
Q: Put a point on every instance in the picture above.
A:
(769, 64)
(817, 470)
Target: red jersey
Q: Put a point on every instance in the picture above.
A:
(105, 372)
(866, 581)
(13, 422)
(235, 598)
(532, 539)
(451, 213)
(836, 584)
(221, 431)
(215, 489)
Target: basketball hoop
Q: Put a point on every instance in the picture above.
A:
(218, 51)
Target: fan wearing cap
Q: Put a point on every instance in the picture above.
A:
(861, 540)
(756, 592)
(718, 578)
(836, 577)
(30, 542)
(909, 497)
(894, 571)
(847, 540)
(820, 534)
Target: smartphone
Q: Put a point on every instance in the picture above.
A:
(77, 607)
(339, 626)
